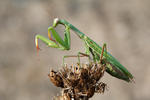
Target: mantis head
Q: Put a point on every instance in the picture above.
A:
(56, 21)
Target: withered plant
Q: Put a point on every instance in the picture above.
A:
(79, 82)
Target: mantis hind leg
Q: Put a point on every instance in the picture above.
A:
(102, 52)
(102, 60)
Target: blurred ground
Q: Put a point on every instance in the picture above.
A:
(123, 25)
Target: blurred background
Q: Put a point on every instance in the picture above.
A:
(123, 24)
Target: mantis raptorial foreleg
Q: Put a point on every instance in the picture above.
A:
(58, 42)
(48, 42)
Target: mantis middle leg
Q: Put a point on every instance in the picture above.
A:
(80, 54)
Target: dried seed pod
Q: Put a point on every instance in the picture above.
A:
(65, 96)
(100, 87)
(98, 73)
(56, 79)
(90, 91)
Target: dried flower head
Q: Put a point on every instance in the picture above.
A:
(79, 81)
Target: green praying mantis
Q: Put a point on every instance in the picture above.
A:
(100, 54)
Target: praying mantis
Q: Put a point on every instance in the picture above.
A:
(98, 53)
